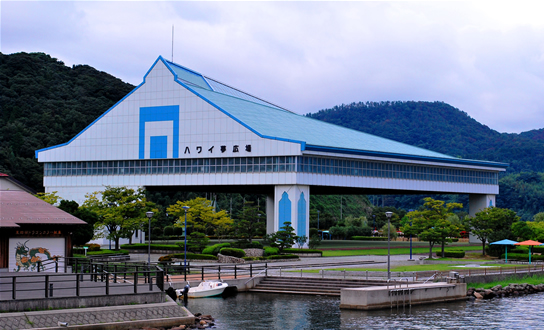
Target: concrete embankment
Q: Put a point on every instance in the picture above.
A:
(380, 297)
(166, 314)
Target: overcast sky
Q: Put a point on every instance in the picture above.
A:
(484, 58)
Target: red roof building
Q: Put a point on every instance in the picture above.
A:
(31, 230)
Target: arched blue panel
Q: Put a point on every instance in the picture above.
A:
(285, 210)
(301, 223)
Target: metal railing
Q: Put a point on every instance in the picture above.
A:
(94, 280)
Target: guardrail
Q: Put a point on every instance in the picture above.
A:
(95, 280)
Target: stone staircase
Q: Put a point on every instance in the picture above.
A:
(310, 286)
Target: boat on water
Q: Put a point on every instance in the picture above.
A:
(204, 289)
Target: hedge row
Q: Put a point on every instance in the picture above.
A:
(143, 246)
(522, 256)
(368, 238)
(302, 251)
(194, 256)
(454, 253)
(283, 256)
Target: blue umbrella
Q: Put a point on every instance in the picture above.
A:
(505, 242)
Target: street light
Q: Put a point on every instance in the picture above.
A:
(388, 214)
(374, 232)
(317, 220)
(185, 208)
(149, 215)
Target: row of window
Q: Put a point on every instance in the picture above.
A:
(334, 166)
(304, 164)
(173, 166)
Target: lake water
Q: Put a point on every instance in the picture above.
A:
(280, 311)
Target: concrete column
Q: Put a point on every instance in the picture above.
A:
(270, 214)
(290, 203)
(477, 203)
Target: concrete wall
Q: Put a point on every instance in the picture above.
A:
(78, 302)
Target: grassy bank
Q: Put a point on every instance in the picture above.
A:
(534, 280)
(408, 268)
(394, 251)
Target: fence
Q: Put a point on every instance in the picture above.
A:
(94, 279)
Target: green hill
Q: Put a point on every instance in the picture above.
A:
(440, 127)
(44, 103)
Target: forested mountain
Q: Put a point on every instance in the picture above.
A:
(44, 103)
(440, 127)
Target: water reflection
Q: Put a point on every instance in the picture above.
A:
(278, 311)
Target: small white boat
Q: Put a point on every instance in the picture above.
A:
(205, 289)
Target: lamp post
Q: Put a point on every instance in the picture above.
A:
(410, 239)
(185, 208)
(149, 215)
(388, 214)
(374, 217)
(318, 220)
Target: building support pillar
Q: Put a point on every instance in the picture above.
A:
(476, 203)
(290, 203)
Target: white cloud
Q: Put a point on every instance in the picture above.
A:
(306, 56)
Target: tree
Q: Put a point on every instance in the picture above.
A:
(249, 223)
(431, 224)
(301, 240)
(201, 216)
(521, 231)
(539, 217)
(492, 223)
(121, 210)
(84, 233)
(392, 231)
(196, 242)
(285, 237)
(50, 198)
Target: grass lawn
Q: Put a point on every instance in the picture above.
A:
(534, 280)
(396, 251)
(409, 268)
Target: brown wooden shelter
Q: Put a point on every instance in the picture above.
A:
(31, 230)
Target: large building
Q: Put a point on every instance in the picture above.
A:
(180, 129)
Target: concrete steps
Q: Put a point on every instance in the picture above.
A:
(310, 286)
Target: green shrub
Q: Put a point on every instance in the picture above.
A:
(454, 253)
(455, 240)
(178, 231)
(93, 247)
(368, 238)
(537, 249)
(157, 231)
(270, 251)
(283, 256)
(143, 246)
(168, 231)
(314, 241)
(253, 258)
(247, 245)
(194, 256)
(522, 256)
(314, 231)
(214, 249)
(238, 253)
(302, 251)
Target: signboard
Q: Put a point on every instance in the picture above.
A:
(26, 254)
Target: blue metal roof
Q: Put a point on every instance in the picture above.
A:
(270, 121)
